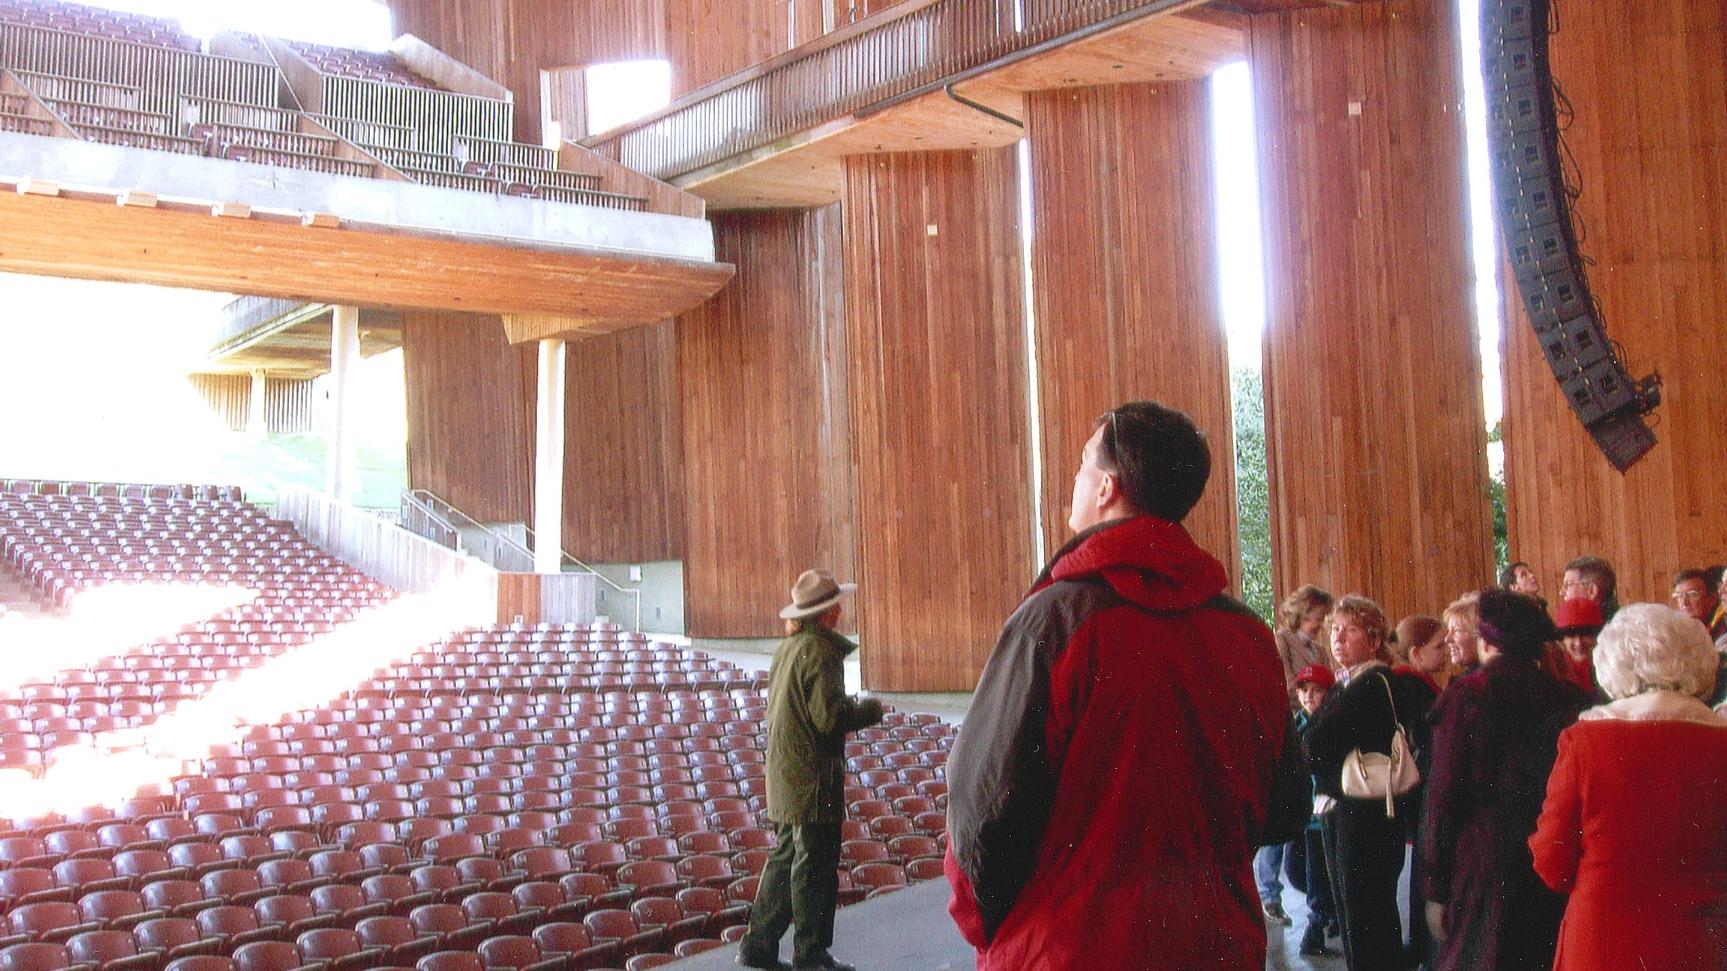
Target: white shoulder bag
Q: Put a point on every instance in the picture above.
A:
(1370, 775)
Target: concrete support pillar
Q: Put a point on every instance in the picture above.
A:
(549, 459)
(342, 461)
(257, 418)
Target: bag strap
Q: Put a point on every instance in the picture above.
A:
(1385, 679)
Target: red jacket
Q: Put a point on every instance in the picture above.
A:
(1635, 830)
(1113, 775)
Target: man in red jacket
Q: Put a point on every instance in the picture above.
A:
(1115, 771)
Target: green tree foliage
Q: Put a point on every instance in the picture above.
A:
(1496, 496)
(1252, 491)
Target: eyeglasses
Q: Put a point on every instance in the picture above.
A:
(1690, 596)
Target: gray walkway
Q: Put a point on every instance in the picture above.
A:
(907, 930)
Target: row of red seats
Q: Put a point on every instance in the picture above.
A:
(119, 490)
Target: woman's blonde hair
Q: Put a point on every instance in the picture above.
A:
(1466, 609)
(1653, 647)
(1295, 607)
(1369, 615)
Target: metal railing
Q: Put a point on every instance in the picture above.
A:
(900, 53)
(443, 524)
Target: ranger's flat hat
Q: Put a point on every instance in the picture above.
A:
(813, 593)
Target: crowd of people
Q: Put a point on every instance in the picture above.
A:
(1571, 808)
(1132, 764)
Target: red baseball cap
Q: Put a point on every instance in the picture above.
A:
(1316, 674)
(1579, 615)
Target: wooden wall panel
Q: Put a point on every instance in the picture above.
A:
(1648, 81)
(511, 41)
(1374, 421)
(1124, 266)
(287, 402)
(936, 335)
(470, 413)
(623, 464)
(766, 436)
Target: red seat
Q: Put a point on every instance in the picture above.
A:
(197, 859)
(88, 875)
(173, 937)
(713, 905)
(498, 911)
(651, 878)
(575, 941)
(268, 956)
(116, 909)
(449, 924)
(879, 878)
(294, 876)
(396, 892)
(450, 961)
(642, 962)
(232, 926)
(55, 921)
(340, 947)
(397, 936)
(665, 913)
(291, 913)
(509, 951)
(34, 957)
(29, 885)
(233, 887)
(202, 963)
(619, 927)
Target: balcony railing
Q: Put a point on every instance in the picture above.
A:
(902, 52)
(163, 74)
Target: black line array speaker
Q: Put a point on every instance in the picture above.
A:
(1534, 213)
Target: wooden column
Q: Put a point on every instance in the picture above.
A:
(1374, 423)
(938, 405)
(1648, 82)
(470, 413)
(1124, 268)
(623, 465)
(766, 436)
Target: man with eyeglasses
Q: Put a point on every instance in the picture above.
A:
(1592, 578)
(1695, 595)
(1117, 767)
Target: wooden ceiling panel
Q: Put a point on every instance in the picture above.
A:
(96, 240)
(807, 171)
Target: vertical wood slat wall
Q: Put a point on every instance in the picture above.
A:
(470, 413)
(764, 366)
(1648, 80)
(623, 442)
(512, 40)
(287, 401)
(1124, 265)
(936, 337)
(1374, 420)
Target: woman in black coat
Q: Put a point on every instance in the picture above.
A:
(1495, 738)
(1363, 843)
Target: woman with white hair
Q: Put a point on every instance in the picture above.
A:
(1635, 823)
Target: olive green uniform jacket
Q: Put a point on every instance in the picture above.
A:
(809, 714)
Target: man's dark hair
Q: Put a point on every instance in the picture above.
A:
(1158, 454)
(1599, 572)
(1701, 576)
(1508, 576)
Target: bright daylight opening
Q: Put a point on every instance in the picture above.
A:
(338, 23)
(623, 91)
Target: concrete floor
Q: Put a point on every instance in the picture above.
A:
(920, 935)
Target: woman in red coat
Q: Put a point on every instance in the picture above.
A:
(1635, 823)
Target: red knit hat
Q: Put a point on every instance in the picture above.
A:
(1316, 674)
(1580, 615)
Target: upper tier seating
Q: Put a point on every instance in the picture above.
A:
(100, 21)
(196, 104)
(347, 62)
(540, 796)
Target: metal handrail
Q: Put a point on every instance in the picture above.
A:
(598, 576)
(430, 503)
(900, 53)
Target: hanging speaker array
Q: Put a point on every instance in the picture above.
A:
(1534, 210)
